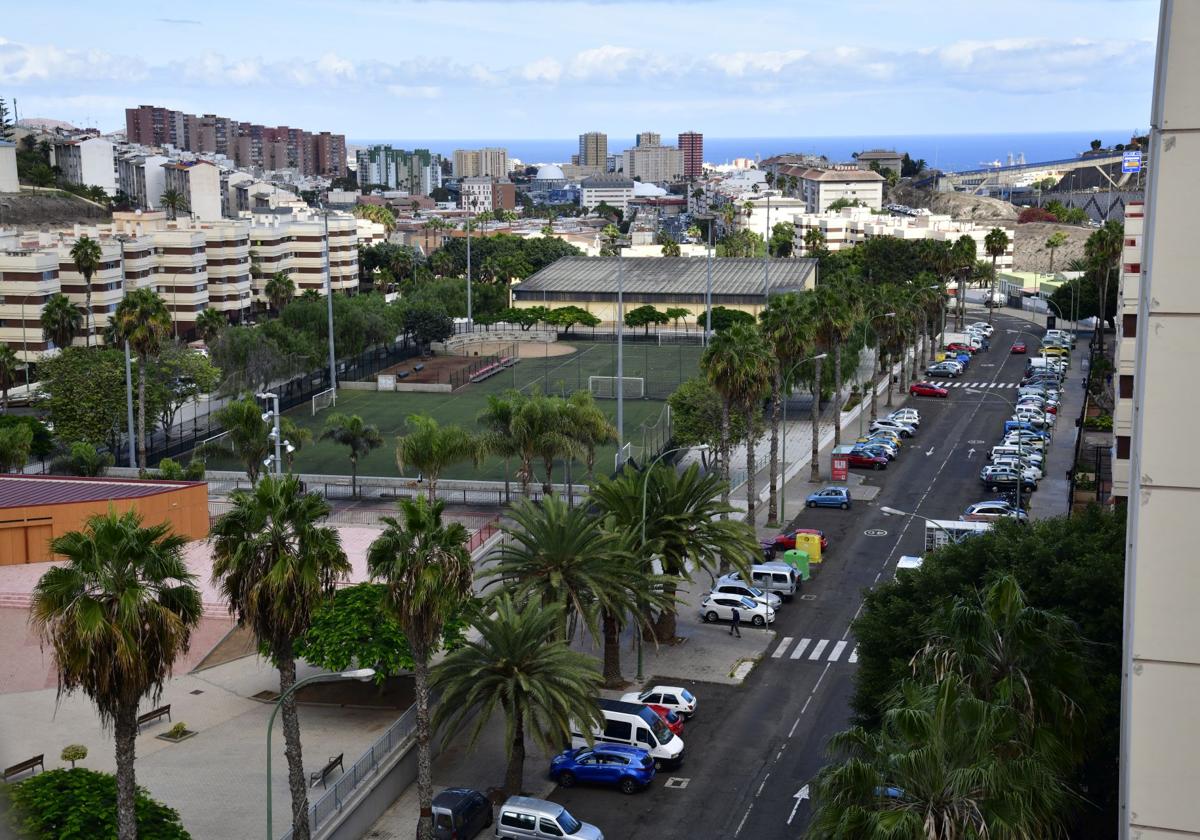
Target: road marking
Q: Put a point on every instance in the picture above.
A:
(743, 822)
(799, 651)
(762, 785)
(836, 653)
(799, 796)
(930, 452)
(806, 702)
(853, 655)
(782, 648)
(794, 725)
(971, 452)
(875, 532)
(977, 442)
(821, 645)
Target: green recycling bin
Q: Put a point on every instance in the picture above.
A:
(798, 560)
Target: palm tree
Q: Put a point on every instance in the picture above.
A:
(86, 255)
(427, 570)
(16, 441)
(786, 327)
(521, 666)
(350, 431)
(995, 243)
(589, 427)
(174, 202)
(500, 436)
(142, 319)
(117, 614)
(814, 242)
(429, 448)
(61, 320)
(9, 365)
(1055, 241)
(297, 436)
(274, 566)
(209, 323)
(245, 435)
(962, 255)
(736, 378)
(546, 422)
(1103, 249)
(279, 290)
(842, 311)
(670, 248)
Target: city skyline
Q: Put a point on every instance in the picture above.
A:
(857, 80)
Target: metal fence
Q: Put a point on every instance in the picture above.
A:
(325, 809)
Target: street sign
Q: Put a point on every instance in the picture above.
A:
(1131, 161)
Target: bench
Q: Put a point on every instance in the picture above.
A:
(402, 374)
(324, 773)
(28, 764)
(417, 368)
(154, 714)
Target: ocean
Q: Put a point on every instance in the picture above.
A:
(949, 152)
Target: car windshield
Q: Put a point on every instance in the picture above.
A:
(687, 695)
(661, 731)
(568, 823)
(442, 820)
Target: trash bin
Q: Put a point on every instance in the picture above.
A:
(798, 560)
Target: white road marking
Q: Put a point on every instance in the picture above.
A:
(762, 785)
(782, 647)
(799, 796)
(821, 645)
(930, 452)
(799, 651)
(853, 655)
(743, 822)
(836, 653)
(794, 725)
(971, 452)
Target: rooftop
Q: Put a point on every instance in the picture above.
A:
(26, 491)
(841, 175)
(606, 181)
(667, 276)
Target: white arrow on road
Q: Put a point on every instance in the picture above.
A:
(971, 452)
(800, 796)
(930, 452)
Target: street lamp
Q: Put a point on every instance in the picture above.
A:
(891, 511)
(361, 674)
(704, 447)
(783, 452)
(275, 436)
(329, 300)
(1020, 441)
(866, 324)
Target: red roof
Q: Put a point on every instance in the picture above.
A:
(24, 491)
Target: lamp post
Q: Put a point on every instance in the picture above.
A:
(783, 450)
(620, 357)
(708, 284)
(470, 207)
(275, 435)
(329, 302)
(704, 447)
(361, 674)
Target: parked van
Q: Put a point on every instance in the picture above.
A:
(523, 817)
(634, 725)
(460, 813)
(779, 578)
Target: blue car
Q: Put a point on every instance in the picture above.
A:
(836, 497)
(1024, 426)
(629, 768)
(875, 451)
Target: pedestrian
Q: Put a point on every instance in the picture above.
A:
(734, 627)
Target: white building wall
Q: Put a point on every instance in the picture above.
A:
(98, 164)
(8, 168)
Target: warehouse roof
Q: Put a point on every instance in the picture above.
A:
(667, 276)
(26, 491)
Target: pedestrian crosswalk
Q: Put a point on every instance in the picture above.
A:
(981, 385)
(814, 650)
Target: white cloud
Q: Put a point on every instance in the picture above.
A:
(415, 91)
(542, 70)
(606, 62)
(759, 61)
(334, 66)
(29, 63)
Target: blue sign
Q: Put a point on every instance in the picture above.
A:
(1131, 161)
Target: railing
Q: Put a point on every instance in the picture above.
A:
(333, 800)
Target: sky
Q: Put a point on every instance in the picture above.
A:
(512, 69)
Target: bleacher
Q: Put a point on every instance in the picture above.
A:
(492, 368)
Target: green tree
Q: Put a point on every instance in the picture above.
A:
(279, 290)
(723, 318)
(1053, 242)
(61, 320)
(962, 256)
(6, 125)
(783, 237)
(83, 459)
(644, 316)
(142, 319)
(117, 614)
(589, 426)
(16, 442)
(696, 417)
(245, 434)
(565, 317)
(209, 323)
(174, 202)
(788, 329)
(274, 565)
(738, 363)
(84, 394)
(843, 313)
(359, 437)
(10, 366)
(427, 573)
(430, 448)
(177, 376)
(670, 248)
(56, 803)
(519, 667)
(86, 255)
(1103, 249)
(298, 436)
(996, 244)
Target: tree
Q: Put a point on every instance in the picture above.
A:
(741, 243)
(209, 323)
(996, 244)
(783, 236)
(842, 314)
(910, 168)
(670, 248)
(61, 320)
(788, 329)
(814, 243)
(245, 434)
(427, 572)
(1103, 249)
(429, 448)
(1096, 145)
(359, 437)
(677, 314)
(86, 255)
(696, 416)
(376, 213)
(1053, 242)
(566, 317)
(843, 203)
(83, 459)
(1035, 214)
(6, 125)
(47, 803)
(174, 202)
(10, 365)
(644, 316)
(962, 256)
(724, 318)
(84, 393)
(142, 319)
(177, 376)
(279, 290)
(427, 323)
(16, 442)
(117, 614)
(274, 565)
(524, 317)
(589, 427)
(520, 667)
(298, 436)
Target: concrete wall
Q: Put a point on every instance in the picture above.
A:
(8, 168)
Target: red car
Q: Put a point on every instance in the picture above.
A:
(1019, 348)
(958, 347)
(673, 721)
(928, 389)
(787, 541)
(862, 459)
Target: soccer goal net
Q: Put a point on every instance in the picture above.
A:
(694, 339)
(605, 387)
(323, 400)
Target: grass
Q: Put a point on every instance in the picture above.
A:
(662, 367)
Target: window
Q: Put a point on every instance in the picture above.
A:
(1126, 386)
(643, 736)
(619, 730)
(1123, 447)
(549, 828)
(514, 820)
(1129, 325)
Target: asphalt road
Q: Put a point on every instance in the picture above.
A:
(751, 749)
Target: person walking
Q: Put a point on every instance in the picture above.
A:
(734, 626)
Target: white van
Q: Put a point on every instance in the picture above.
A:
(1012, 450)
(779, 578)
(634, 725)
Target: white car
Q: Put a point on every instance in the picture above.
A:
(1032, 470)
(744, 590)
(883, 424)
(1034, 417)
(676, 698)
(720, 608)
(1031, 444)
(908, 416)
(983, 326)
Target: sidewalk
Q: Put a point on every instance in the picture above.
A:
(1053, 497)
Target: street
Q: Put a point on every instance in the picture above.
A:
(752, 749)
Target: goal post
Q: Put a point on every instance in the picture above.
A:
(323, 400)
(605, 387)
(694, 339)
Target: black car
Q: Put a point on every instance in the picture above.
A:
(460, 814)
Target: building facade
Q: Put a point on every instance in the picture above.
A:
(142, 178)
(613, 190)
(90, 163)
(593, 150)
(883, 158)
(1125, 357)
(652, 163)
(418, 172)
(489, 162)
(28, 276)
(199, 182)
(8, 168)
(691, 146)
(479, 194)
(822, 187)
(648, 138)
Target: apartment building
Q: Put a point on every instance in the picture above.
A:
(28, 276)
(652, 163)
(108, 282)
(8, 168)
(199, 182)
(142, 178)
(474, 163)
(593, 150)
(294, 243)
(691, 146)
(418, 172)
(1125, 357)
(91, 162)
(478, 194)
(883, 158)
(613, 190)
(822, 187)
(648, 138)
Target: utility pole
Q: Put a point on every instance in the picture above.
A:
(620, 356)
(329, 303)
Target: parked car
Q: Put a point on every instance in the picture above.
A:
(907, 416)
(928, 389)
(866, 460)
(885, 425)
(992, 510)
(745, 590)
(616, 765)
(838, 497)
(721, 607)
(949, 369)
(776, 577)
(460, 814)
(960, 347)
(996, 478)
(785, 541)
(1019, 348)
(1030, 469)
(672, 719)
(523, 817)
(674, 697)
(874, 450)
(884, 435)
(984, 327)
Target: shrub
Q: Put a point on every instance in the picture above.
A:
(1102, 423)
(80, 804)
(170, 469)
(1036, 214)
(73, 753)
(43, 440)
(178, 730)
(84, 460)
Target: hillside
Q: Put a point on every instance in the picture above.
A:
(27, 210)
(1029, 253)
(955, 205)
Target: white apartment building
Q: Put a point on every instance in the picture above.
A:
(199, 182)
(476, 194)
(1125, 358)
(142, 178)
(370, 233)
(91, 162)
(653, 164)
(28, 276)
(851, 226)
(108, 283)
(613, 190)
(294, 243)
(8, 168)
(768, 209)
(822, 187)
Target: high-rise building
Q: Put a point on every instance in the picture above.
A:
(651, 162)
(475, 163)
(691, 145)
(418, 172)
(649, 138)
(593, 150)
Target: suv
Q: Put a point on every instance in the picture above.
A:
(996, 478)
(772, 577)
(887, 425)
(460, 814)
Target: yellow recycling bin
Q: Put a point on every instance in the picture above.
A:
(810, 544)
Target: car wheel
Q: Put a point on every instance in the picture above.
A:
(629, 786)
(878, 467)
(658, 765)
(566, 779)
(710, 616)
(845, 506)
(758, 621)
(812, 504)
(995, 488)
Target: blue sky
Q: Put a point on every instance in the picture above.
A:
(499, 68)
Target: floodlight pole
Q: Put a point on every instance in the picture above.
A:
(708, 286)
(620, 355)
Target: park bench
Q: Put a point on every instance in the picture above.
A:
(154, 714)
(324, 773)
(28, 764)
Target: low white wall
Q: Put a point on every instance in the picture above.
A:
(357, 386)
(425, 387)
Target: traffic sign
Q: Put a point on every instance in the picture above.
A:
(1131, 161)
